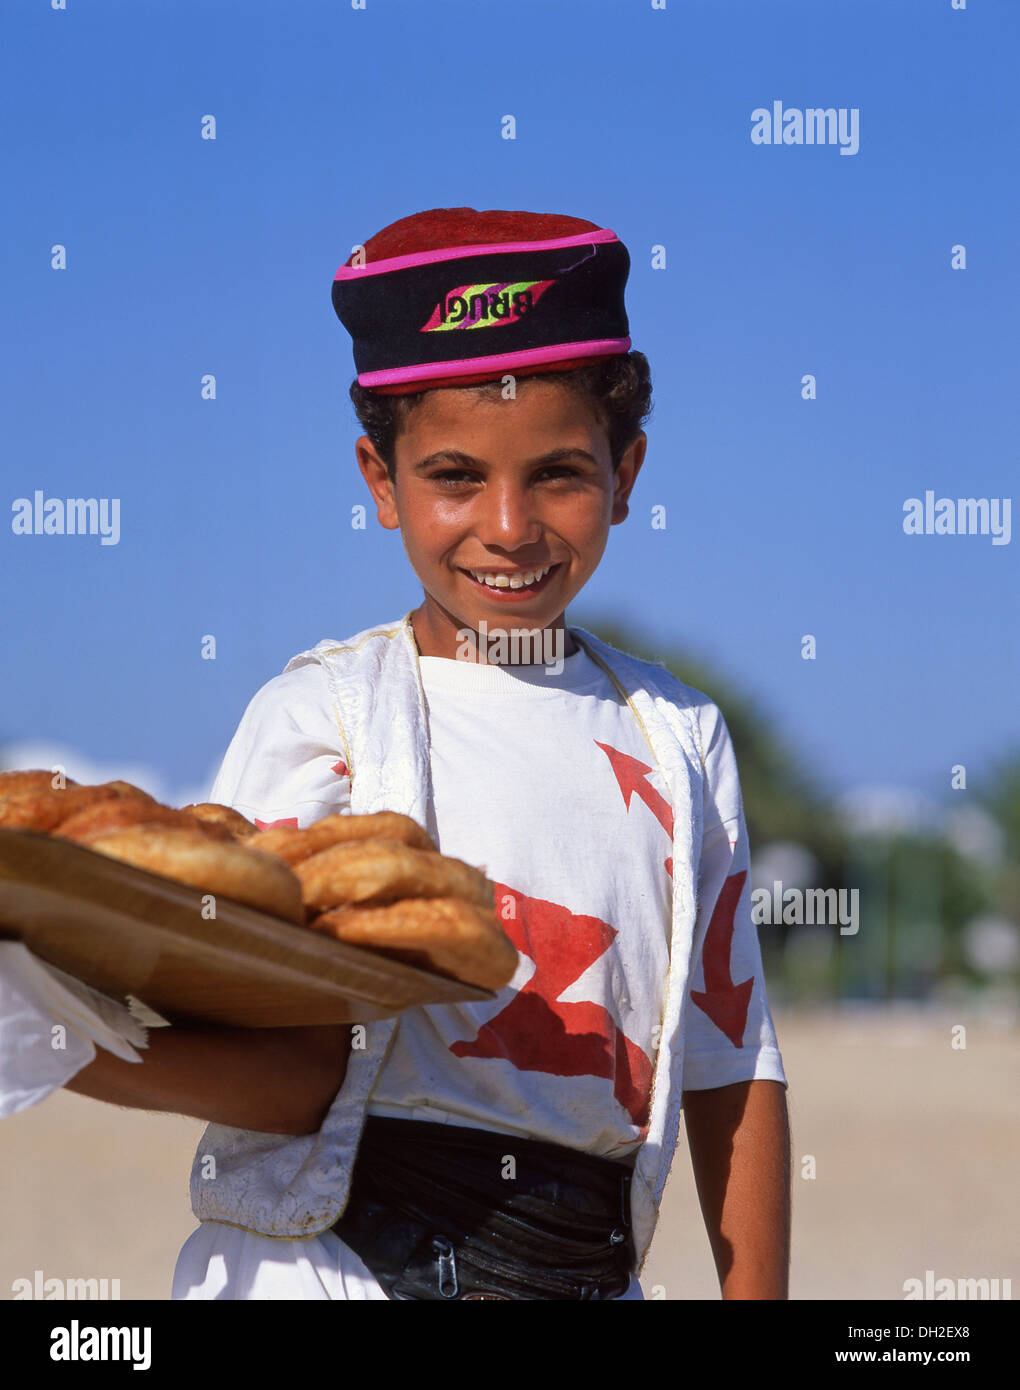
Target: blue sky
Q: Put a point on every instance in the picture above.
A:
(784, 516)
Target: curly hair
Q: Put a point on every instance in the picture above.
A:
(618, 388)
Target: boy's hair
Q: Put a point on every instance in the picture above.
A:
(619, 389)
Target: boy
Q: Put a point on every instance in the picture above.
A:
(515, 1149)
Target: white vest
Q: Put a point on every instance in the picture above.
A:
(288, 1187)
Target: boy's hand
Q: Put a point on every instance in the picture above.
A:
(274, 1080)
(739, 1139)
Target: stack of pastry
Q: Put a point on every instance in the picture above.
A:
(124, 822)
(379, 881)
(376, 881)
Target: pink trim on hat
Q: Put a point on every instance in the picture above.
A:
(599, 347)
(352, 272)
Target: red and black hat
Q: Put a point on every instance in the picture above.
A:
(455, 297)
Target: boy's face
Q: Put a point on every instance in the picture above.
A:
(476, 490)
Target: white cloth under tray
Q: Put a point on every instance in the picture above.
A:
(35, 1058)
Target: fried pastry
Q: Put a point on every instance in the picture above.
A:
(448, 935)
(16, 783)
(381, 871)
(113, 812)
(223, 868)
(212, 813)
(44, 808)
(294, 845)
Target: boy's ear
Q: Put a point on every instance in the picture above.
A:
(374, 471)
(626, 476)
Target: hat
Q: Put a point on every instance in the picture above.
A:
(455, 297)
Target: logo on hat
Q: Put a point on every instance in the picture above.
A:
(483, 306)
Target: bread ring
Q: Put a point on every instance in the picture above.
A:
(380, 871)
(16, 783)
(226, 869)
(455, 937)
(127, 789)
(46, 807)
(294, 845)
(211, 813)
(117, 811)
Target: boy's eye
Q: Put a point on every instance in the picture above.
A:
(451, 477)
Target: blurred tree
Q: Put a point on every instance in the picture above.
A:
(781, 801)
(999, 794)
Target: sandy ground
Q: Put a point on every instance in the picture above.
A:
(914, 1144)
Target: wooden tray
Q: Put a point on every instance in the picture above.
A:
(126, 931)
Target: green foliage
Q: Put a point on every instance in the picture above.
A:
(999, 793)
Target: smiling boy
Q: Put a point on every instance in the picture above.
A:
(515, 1148)
(501, 504)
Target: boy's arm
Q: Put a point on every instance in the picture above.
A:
(733, 1079)
(274, 1080)
(739, 1139)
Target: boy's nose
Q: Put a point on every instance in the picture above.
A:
(509, 517)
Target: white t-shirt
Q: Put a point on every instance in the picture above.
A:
(528, 771)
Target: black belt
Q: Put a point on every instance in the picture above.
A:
(440, 1211)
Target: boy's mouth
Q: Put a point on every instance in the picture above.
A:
(508, 586)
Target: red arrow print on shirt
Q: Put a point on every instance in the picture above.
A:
(723, 1001)
(340, 769)
(272, 824)
(539, 1032)
(632, 776)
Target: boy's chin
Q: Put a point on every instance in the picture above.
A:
(499, 619)
(526, 616)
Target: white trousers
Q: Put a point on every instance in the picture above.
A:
(221, 1261)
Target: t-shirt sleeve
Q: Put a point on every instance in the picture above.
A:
(729, 1033)
(286, 764)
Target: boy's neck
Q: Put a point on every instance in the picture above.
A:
(506, 644)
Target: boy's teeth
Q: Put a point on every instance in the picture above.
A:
(506, 581)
